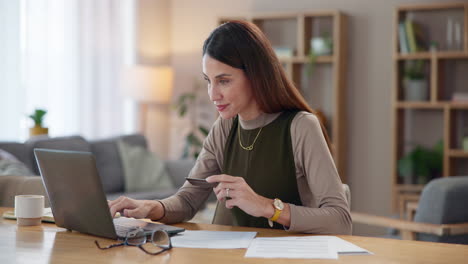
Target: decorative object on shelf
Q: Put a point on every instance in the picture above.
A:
(284, 52)
(421, 164)
(322, 45)
(319, 46)
(38, 118)
(465, 143)
(454, 34)
(449, 33)
(415, 82)
(187, 104)
(433, 46)
(458, 36)
(460, 97)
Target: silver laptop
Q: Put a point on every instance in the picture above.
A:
(77, 198)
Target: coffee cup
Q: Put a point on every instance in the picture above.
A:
(29, 209)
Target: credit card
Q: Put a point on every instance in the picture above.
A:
(201, 182)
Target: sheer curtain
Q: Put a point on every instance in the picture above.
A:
(71, 55)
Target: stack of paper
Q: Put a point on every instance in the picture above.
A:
(321, 247)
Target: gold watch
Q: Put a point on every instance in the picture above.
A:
(279, 206)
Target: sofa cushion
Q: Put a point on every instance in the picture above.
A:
(10, 165)
(143, 170)
(74, 143)
(20, 151)
(109, 163)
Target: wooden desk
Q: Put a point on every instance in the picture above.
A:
(49, 243)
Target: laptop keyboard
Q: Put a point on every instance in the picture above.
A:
(122, 230)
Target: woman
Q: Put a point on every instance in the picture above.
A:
(267, 151)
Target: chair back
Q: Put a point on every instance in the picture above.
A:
(444, 201)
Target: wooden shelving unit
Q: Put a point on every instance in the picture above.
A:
(295, 30)
(442, 85)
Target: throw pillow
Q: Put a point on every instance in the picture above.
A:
(143, 170)
(10, 165)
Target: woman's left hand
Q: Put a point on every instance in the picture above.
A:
(241, 195)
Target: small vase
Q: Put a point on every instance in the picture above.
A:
(38, 130)
(465, 144)
(416, 90)
(320, 46)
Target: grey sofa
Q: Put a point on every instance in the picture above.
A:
(108, 163)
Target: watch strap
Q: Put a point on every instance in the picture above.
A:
(276, 215)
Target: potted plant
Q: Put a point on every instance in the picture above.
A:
(38, 118)
(415, 82)
(421, 164)
(319, 46)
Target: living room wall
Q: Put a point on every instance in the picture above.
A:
(368, 83)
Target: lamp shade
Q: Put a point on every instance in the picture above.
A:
(148, 84)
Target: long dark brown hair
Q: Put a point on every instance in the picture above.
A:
(242, 45)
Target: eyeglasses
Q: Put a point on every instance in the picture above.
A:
(155, 243)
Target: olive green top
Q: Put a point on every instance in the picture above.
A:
(324, 208)
(268, 168)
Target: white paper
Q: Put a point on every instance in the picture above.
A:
(213, 239)
(48, 212)
(292, 247)
(344, 247)
(347, 248)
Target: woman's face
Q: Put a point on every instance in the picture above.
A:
(229, 89)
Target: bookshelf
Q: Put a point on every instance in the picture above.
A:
(434, 114)
(324, 86)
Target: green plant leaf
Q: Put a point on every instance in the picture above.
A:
(193, 139)
(182, 110)
(414, 70)
(312, 61)
(405, 166)
(38, 116)
(203, 130)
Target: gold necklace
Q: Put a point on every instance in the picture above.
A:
(240, 140)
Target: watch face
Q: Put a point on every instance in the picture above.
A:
(278, 204)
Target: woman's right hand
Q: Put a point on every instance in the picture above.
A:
(136, 208)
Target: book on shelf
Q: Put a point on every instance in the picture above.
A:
(460, 97)
(415, 36)
(402, 38)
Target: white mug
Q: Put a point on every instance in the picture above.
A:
(29, 209)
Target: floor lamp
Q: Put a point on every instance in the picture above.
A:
(148, 85)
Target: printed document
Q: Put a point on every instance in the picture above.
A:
(319, 247)
(344, 247)
(292, 247)
(213, 239)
